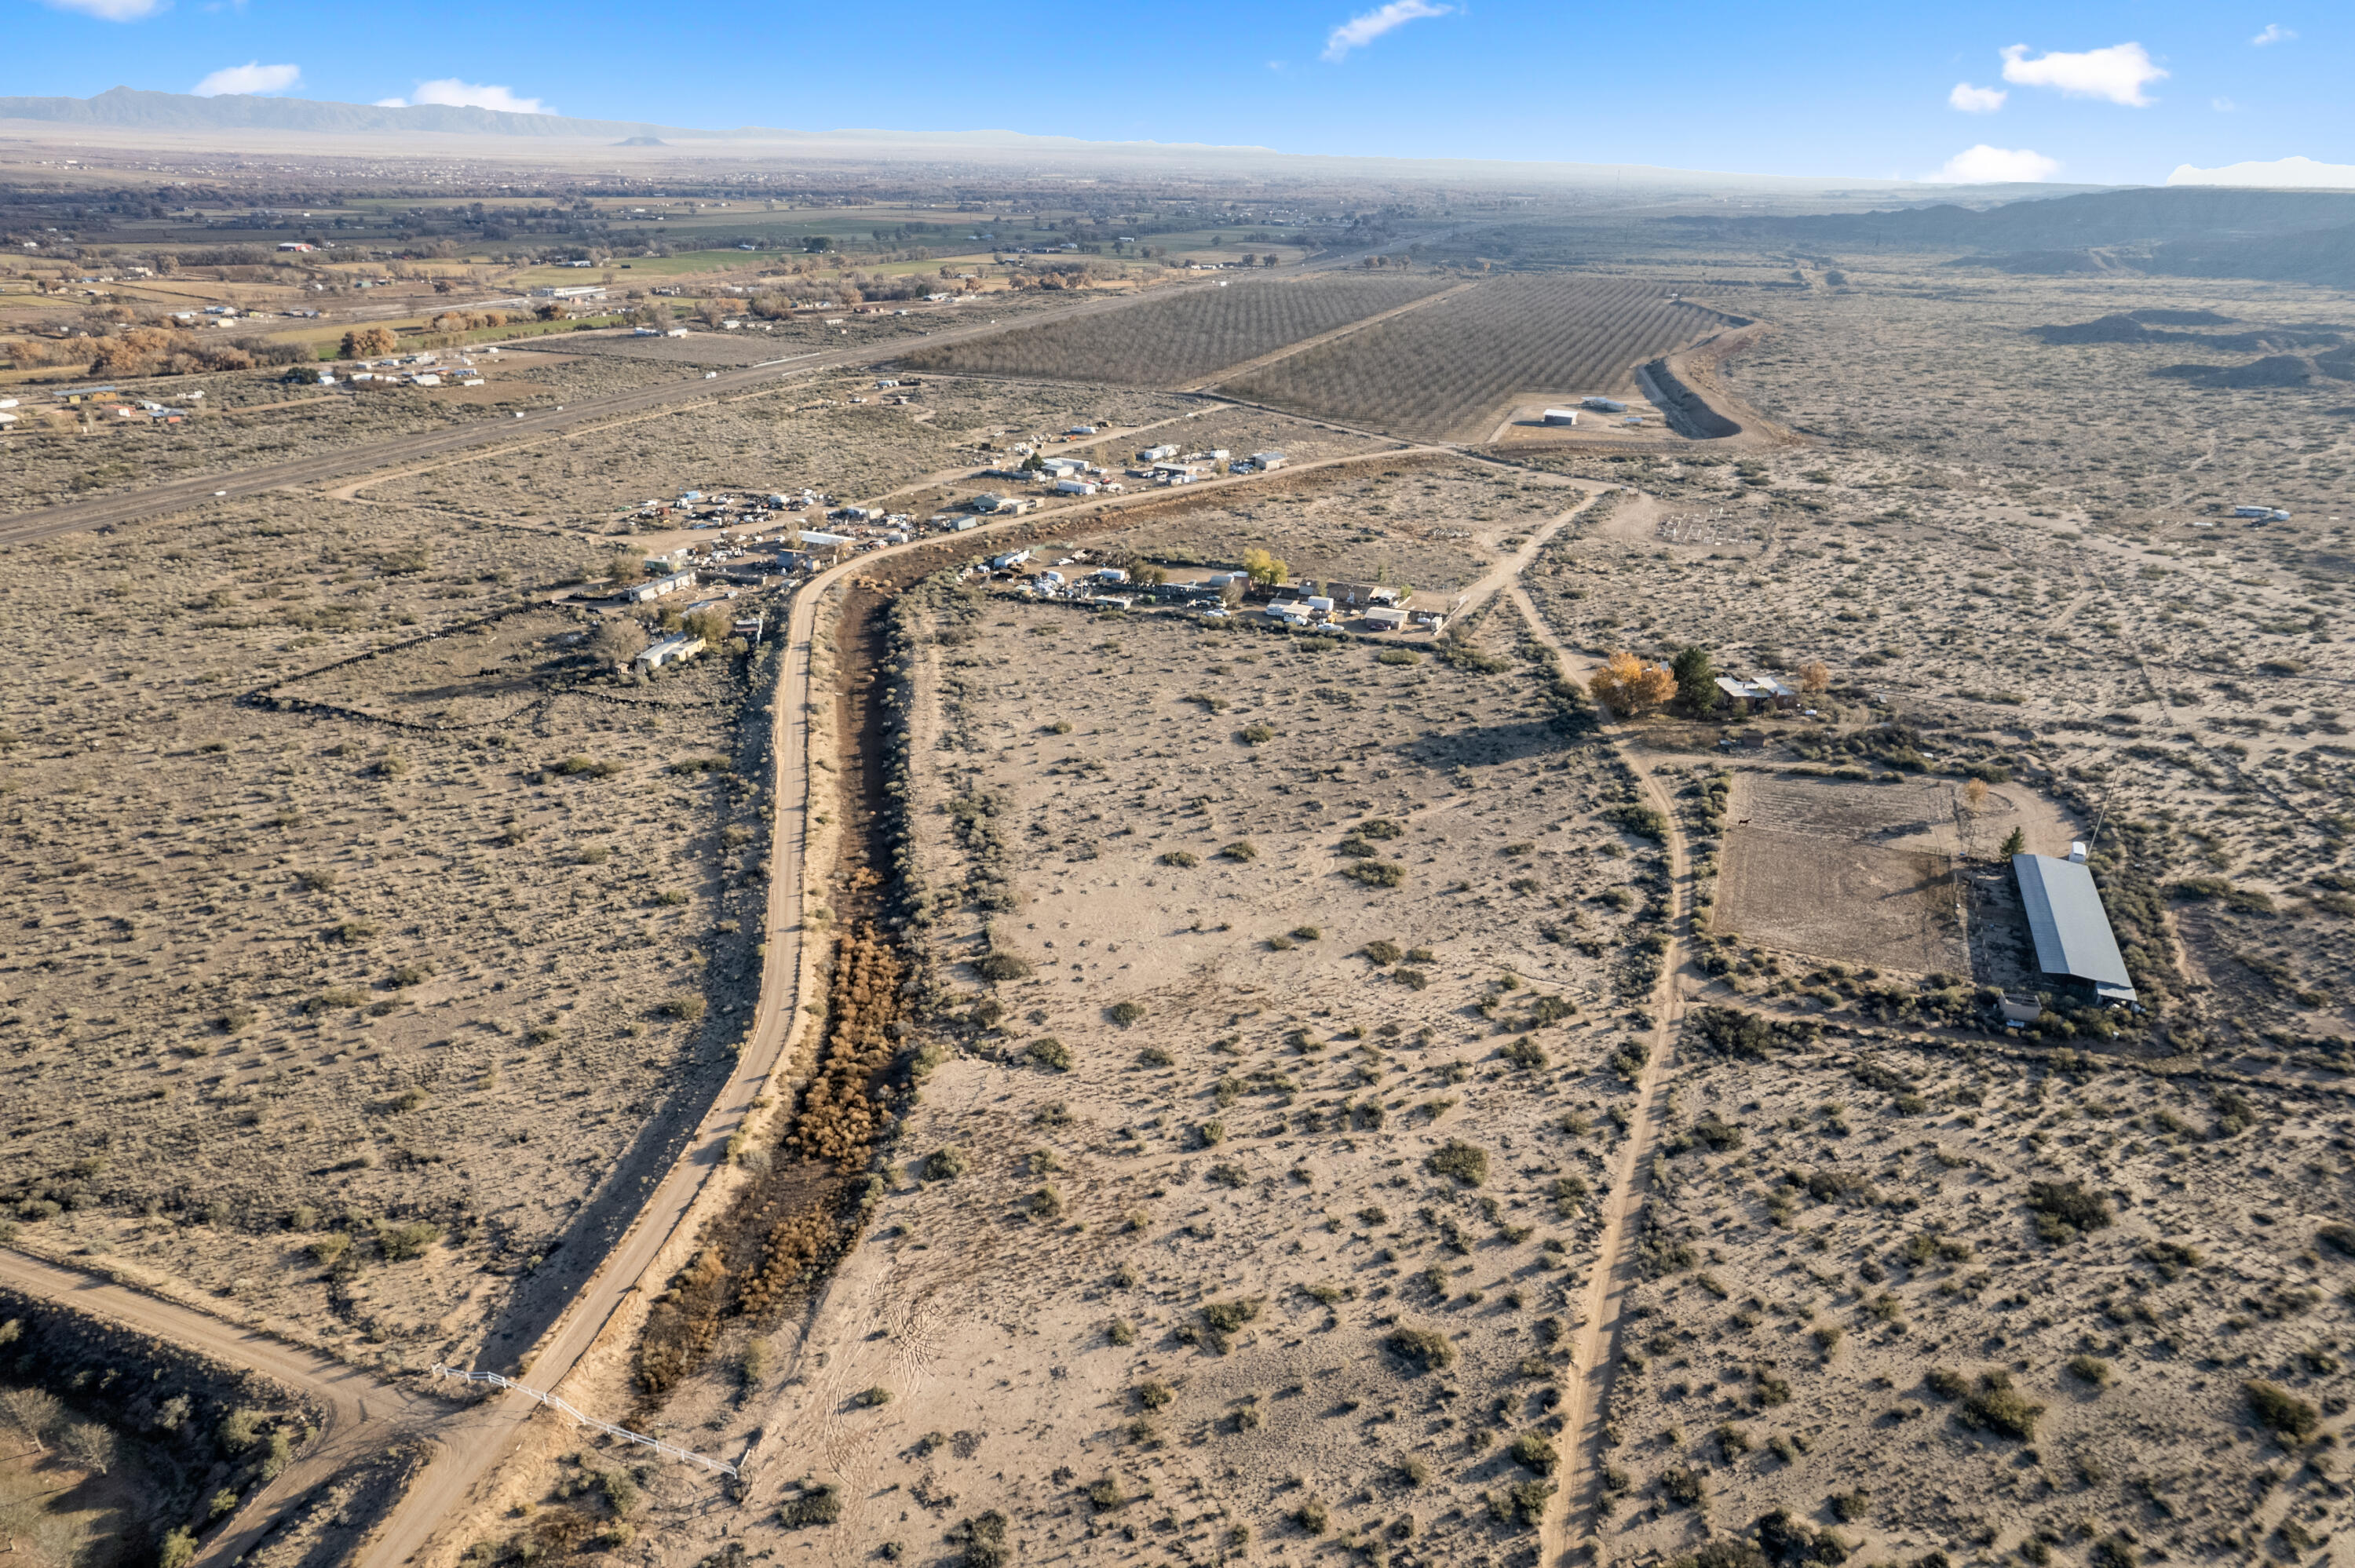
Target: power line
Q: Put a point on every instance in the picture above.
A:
(668, 1450)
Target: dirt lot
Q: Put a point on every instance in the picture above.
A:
(1862, 873)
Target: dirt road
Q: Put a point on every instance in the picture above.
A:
(786, 982)
(1570, 1514)
(359, 1414)
(473, 1439)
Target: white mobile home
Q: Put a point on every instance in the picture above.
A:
(654, 588)
(669, 651)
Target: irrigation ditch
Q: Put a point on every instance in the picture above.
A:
(815, 1177)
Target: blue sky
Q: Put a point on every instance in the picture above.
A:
(1800, 88)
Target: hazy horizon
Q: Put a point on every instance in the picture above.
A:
(2107, 94)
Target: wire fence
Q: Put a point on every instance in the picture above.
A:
(667, 1450)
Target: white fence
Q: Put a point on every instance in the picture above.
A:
(667, 1450)
(1718, 526)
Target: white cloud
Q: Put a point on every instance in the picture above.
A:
(1976, 99)
(452, 94)
(2274, 33)
(1986, 165)
(252, 76)
(2118, 73)
(1358, 31)
(2223, 106)
(2302, 174)
(110, 10)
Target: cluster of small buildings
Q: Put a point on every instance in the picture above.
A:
(423, 369)
(1377, 606)
(1215, 596)
(124, 405)
(698, 509)
(1168, 465)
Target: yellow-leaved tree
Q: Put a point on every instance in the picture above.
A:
(1629, 687)
(1268, 571)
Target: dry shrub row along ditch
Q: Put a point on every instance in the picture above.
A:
(798, 1213)
(841, 1114)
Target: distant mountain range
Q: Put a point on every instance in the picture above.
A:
(2140, 216)
(124, 107)
(2184, 231)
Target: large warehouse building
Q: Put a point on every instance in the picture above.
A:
(2074, 945)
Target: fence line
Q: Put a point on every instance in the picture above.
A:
(668, 1450)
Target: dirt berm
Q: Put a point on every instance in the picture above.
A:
(1686, 411)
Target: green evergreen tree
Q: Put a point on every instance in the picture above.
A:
(1696, 679)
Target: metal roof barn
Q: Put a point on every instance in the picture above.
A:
(2074, 940)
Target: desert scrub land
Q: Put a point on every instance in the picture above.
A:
(1963, 1301)
(805, 432)
(1429, 523)
(255, 417)
(356, 996)
(2140, 447)
(1279, 1040)
(122, 1451)
(1447, 370)
(1982, 615)
(1179, 339)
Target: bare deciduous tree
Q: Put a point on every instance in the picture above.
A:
(33, 1412)
(89, 1445)
(618, 641)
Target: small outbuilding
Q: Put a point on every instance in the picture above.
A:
(1560, 416)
